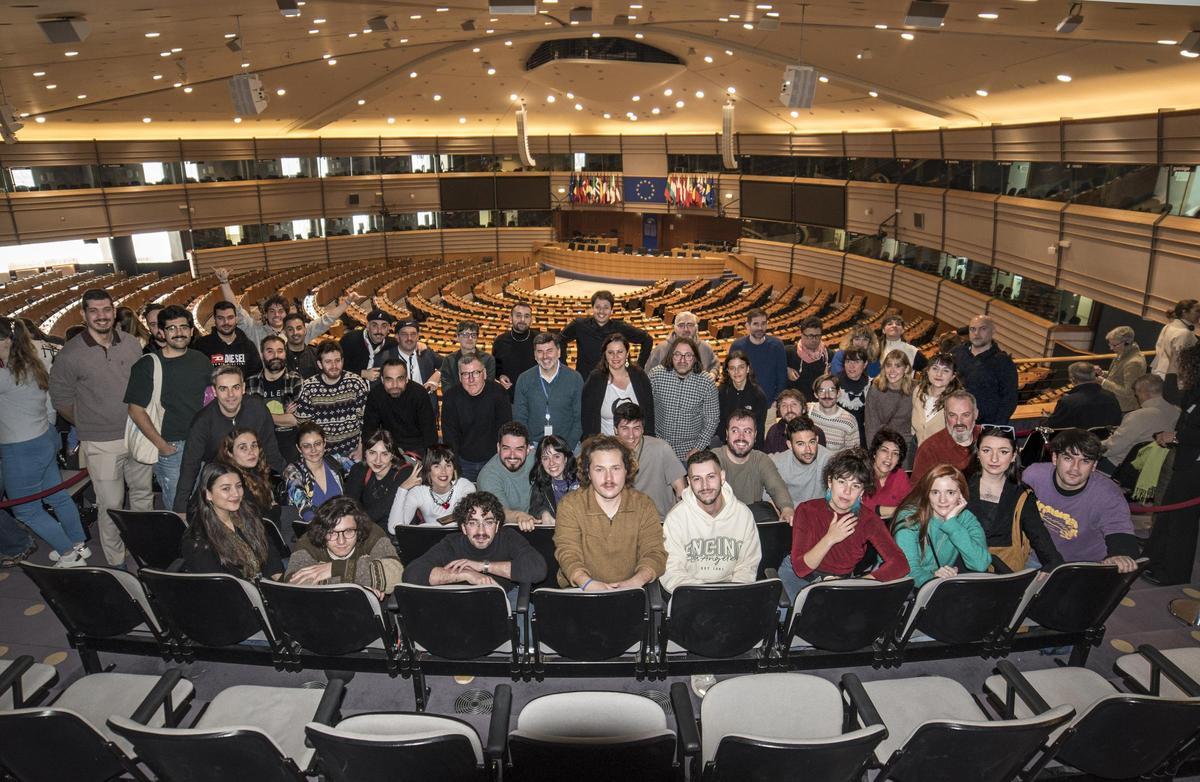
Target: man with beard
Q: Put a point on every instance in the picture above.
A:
(87, 383)
(422, 363)
(513, 350)
(472, 414)
(365, 350)
(789, 405)
(279, 387)
(548, 395)
(803, 463)
(231, 409)
(185, 377)
(987, 372)
(275, 313)
(150, 317)
(487, 552)
(954, 444)
(506, 475)
(686, 324)
(660, 474)
(336, 401)
(768, 356)
(686, 405)
(750, 473)
(589, 333)
(301, 356)
(402, 408)
(467, 333)
(226, 343)
(608, 535)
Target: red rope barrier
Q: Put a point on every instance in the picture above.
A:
(1193, 502)
(68, 483)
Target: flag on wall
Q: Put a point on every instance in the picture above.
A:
(602, 189)
(645, 190)
(691, 191)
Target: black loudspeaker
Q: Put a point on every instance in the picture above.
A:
(352, 200)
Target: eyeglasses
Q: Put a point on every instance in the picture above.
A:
(342, 534)
(683, 354)
(312, 446)
(827, 392)
(807, 335)
(481, 523)
(989, 428)
(469, 375)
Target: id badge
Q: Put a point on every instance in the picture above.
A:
(547, 431)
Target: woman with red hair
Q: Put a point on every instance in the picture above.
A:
(936, 532)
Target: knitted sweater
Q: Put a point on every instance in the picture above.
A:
(373, 563)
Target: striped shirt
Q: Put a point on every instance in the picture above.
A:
(839, 426)
(686, 409)
(337, 408)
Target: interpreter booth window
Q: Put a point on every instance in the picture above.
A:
(21, 180)
(467, 219)
(694, 164)
(767, 165)
(158, 247)
(821, 167)
(287, 168)
(396, 164)
(977, 176)
(457, 164)
(872, 169)
(205, 171)
(210, 238)
(422, 164)
(427, 219)
(1176, 192)
(925, 173)
(1114, 186)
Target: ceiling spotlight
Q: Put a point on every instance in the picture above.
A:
(638, 35)
(1071, 21)
(237, 120)
(39, 120)
(157, 77)
(177, 50)
(795, 114)
(351, 35)
(708, 58)
(362, 102)
(512, 96)
(636, 98)
(873, 93)
(1189, 53)
(332, 61)
(579, 107)
(234, 44)
(146, 120)
(747, 25)
(508, 43)
(231, 35)
(462, 120)
(823, 79)
(165, 54)
(188, 90)
(82, 96)
(1167, 42)
(281, 92)
(288, 8)
(988, 15)
(607, 115)
(981, 93)
(1063, 77)
(52, 86)
(731, 90)
(571, 96)
(881, 27)
(152, 35)
(437, 97)
(699, 93)
(412, 74)
(70, 54)
(656, 110)
(550, 98)
(907, 36)
(491, 71)
(313, 31)
(668, 92)
(391, 120)
(318, 21)
(39, 73)
(476, 50)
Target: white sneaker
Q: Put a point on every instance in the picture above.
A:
(80, 548)
(701, 682)
(73, 559)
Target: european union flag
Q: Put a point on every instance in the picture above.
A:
(645, 189)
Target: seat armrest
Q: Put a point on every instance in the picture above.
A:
(1160, 666)
(685, 720)
(158, 697)
(176, 566)
(523, 592)
(390, 603)
(860, 703)
(331, 702)
(1023, 689)
(655, 595)
(11, 679)
(497, 738)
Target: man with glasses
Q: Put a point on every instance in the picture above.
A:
(954, 444)
(687, 325)
(472, 413)
(686, 406)
(468, 336)
(487, 552)
(343, 546)
(810, 360)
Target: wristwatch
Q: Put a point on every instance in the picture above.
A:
(487, 567)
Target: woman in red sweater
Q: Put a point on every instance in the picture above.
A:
(830, 536)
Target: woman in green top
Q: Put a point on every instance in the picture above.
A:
(936, 532)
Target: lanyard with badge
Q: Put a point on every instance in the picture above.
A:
(548, 429)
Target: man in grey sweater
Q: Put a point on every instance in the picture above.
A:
(547, 398)
(750, 473)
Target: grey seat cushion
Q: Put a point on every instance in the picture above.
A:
(591, 715)
(1137, 668)
(279, 712)
(36, 679)
(770, 706)
(392, 726)
(905, 704)
(99, 696)
(1078, 688)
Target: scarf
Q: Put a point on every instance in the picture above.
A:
(1149, 463)
(811, 357)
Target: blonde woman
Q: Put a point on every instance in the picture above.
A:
(1127, 367)
(889, 404)
(937, 382)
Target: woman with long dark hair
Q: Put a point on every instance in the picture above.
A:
(937, 383)
(434, 490)
(739, 390)
(225, 533)
(374, 481)
(887, 453)
(616, 379)
(241, 450)
(552, 477)
(29, 447)
(935, 530)
(316, 477)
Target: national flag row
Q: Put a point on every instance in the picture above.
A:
(594, 189)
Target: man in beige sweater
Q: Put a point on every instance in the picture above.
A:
(608, 535)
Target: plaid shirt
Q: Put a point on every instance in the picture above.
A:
(285, 395)
(686, 409)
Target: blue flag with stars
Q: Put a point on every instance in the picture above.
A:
(645, 189)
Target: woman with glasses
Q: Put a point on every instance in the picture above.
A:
(1005, 508)
(937, 382)
(739, 390)
(615, 380)
(434, 489)
(1127, 367)
(552, 477)
(839, 426)
(374, 481)
(936, 532)
(225, 533)
(316, 477)
(343, 547)
(810, 359)
(241, 450)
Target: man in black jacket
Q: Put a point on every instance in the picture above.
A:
(231, 409)
(365, 350)
(1087, 404)
(589, 333)
(987, 372)
(514, 351)
(227, 344)
(401, 407)
(472, 414)
(423, 364)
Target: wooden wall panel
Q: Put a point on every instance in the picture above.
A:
(139, 151)
(1181, 137)
(817, 263)
(701, 144)
(218, 149)
(350, 147)
(919, 144)
(504, 145)
(1028, 142)
(1175, 266)
(1020, 333)
(642, 145)
(819, 145)
(868, 204)
(144, 209)
(223, 203)
(911, 288)
(340, 189)
(288, 255)
(48, 153)
(1025, 229)
(398, 147)
(596, 144)
(968, 144)
(471, 145)
(775, 256)
(762, 144)
(410, 192)
(968, 220)
(414, 244)
(243, 258)
(8, 227)
(628, 267)
(292, 199)
(274, 148)
(49, 216)
(922, 204)
(361, 247)
(957, 304)
(869, 144)
(457, 241)
(870, 276)
(523, 240)
(1111, 140)
(1108, 256)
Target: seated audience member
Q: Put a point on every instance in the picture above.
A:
(853, 385)
(1087, 404)
(686, 408)
(789, 404)
(810, 359)
(374, 481)
(317, 476)
(830, 535)
(887, 453)
(1085, 512)
(547, 396)
(710, 536)
(1007, 511)
(839, 427)
(1152, 415)
(802, 464)
(225, 534)
(241, 450)
(434, 490)
(750, 473)
(343, 547)
(552, 477)
(506, 475)
(487, 551)
(468, 336)
(858, 338)
(615, 381)
(889, 405)
(937, 383)
(608, 535)
(1126, 368)
(400, 407)
(953, 444)
(739, 390)
(660, 475)
(936, 532)
(472, 413)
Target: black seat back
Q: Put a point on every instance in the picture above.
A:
(89, 601)
(344, 758)
(542, 540)
(481, 619)
(969, 608)
(211, 755)
(209, 609)
(742, 759)
(723, 620)
(1079, 596)
(646, 760)
(1034, 449)
(52, 745)
(302, 614)
(413, 541)
(849, 614)
(775, 538)
(1127, 737)
(153, 538)
(589, 625)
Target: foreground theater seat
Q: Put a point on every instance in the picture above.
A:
(413, 541)
(1114, 735)
(707, 623)
(846, 615)
(572, 626)
(967, 608)
(411, 747)
(300, 615)
(1174, 673)
(247, 732)
(771, 726)
(24, 682)
(938, 733)
(70, 739)
(208, 609)
(153, 538)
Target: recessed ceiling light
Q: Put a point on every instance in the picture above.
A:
(579, 107)
(735, 16)
(412, 74)
(352, 35)
(907, 36)
(157, 77)
(550, 98)
(231, 35)
(146, 120)
(475, 50)
(1188, 53)
(152, 35)
(747, 26)
(437, 97)
(773, 14)
(462, 120)
(39, 73)
(313, 31)
(708, 58)
(281, 92)
(638, 35)
(332, 61)
(81, 97)
(414, 16)
(52, 86)
(571, 96)
(729, 52)
(731, 90)
(177, 50)
(237, 120)
(699, 93)
(595, 35)
(164, 54)
(636, 98)
(188, 90)
(636, 6)
(489, 31)
(656, 110)
(679, 104)
(795, 114)
(881, 27)
(989, 15)
(391, 120)
(366, 31)
(873, 94)
(362, 102)
(508, 43)
(326, 56)
(494, 19)
(39, 120)
(70, 54)
(491, 71)
(177, 84)
(403, 40)
(513, 96)
(607, 115)
(668, 92)
(441, 9)
(1167, 42)
(723, 19)
(318, 21)
(633, 118)
(1063, 77)
(981, 93)
(823, 79)
(245, 65)
(764, 6)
